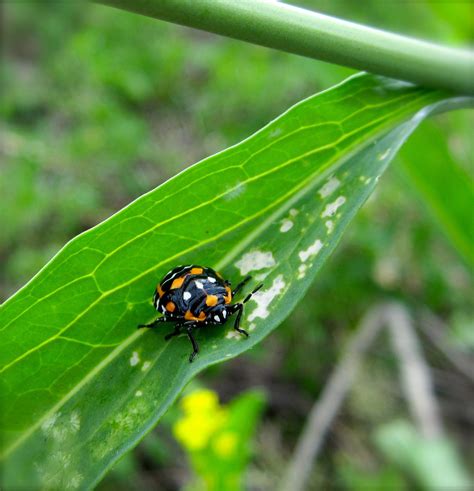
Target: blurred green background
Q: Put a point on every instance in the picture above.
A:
(99, 106)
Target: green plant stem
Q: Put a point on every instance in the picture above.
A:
(287, 28)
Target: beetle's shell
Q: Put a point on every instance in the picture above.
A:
(193, 293)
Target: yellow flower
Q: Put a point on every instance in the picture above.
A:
(225, 444)
(202, 418)
(199, 401)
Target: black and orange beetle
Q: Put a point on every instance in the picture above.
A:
(195, 296)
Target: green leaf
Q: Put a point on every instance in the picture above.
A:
(436, 175)
(80, 384)
(433, 463)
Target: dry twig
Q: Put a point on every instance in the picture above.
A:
(415, 379)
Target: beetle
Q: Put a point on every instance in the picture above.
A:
(194, 296)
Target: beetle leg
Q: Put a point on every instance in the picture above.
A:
(239, 308)
(194, 343)
(255, 290)
(176, 332)
(241, 285)
(154, 323)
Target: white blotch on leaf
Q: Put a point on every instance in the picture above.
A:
(274, 133)
(383, 156)
(146, 366)
(61, 427)
(251, 327)
(331, 208)
(49, 423)
(235, 192)
(286, 225)
(138, 393)
(233, 335)
(128, 418)
(329, 187)
(302, 271)
(255, 260)
(311, 251)
(74, 480)
(329, 225)
(294, 212)
(135, 359)
(264, 298)
(75, 421)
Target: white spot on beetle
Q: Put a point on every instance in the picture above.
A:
(331, 208)
(264, 298)
(255, 260)
(146, 366)
(329, 225)
(224, 313)
(186, 296)
(329, 187)
(312, 250)
(138, 393)
(135, 359)
(217, 318)
(211, 279)
(199, 285)
(286, 225)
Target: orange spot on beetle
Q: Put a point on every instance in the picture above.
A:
(177, 283)
(196, 270)
(170, 307)
(159, 290)
(190, 317)
(211, 300)
(228, 297)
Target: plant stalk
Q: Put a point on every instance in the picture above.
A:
(296, 30)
